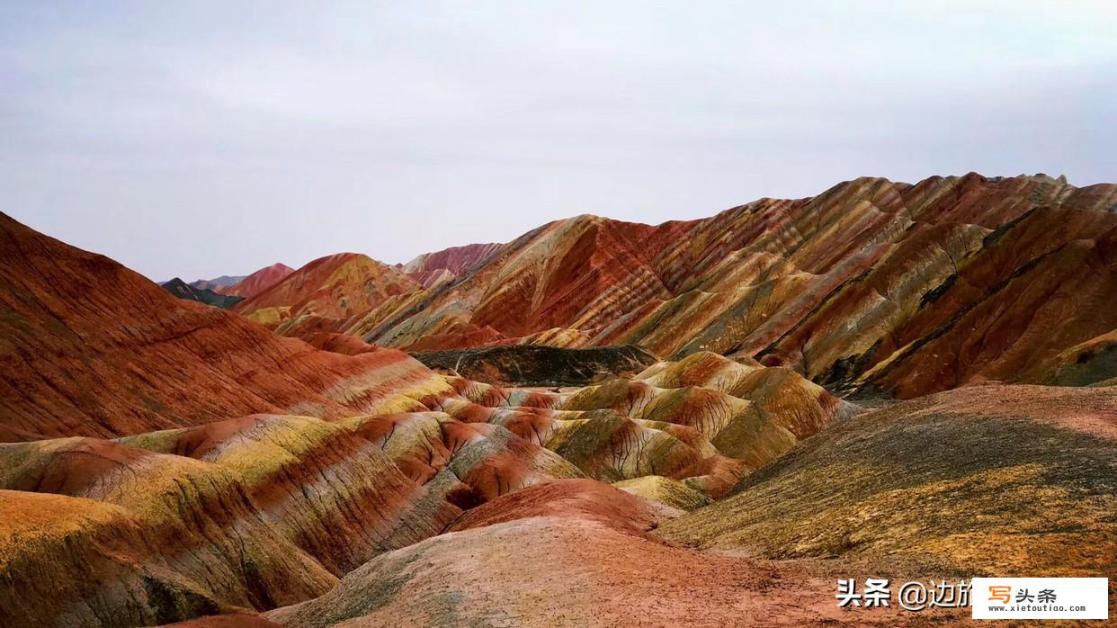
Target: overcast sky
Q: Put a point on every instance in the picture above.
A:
(198, 139)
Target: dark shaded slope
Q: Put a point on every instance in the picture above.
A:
(529, 365)
(190, 292)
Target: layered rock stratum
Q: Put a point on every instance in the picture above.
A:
(165, 461)
(179, 461)
(255, 283)
(90, 348)
(432, 268)
(872, 285)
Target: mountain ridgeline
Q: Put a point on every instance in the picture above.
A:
(872, 286)
(594, 422)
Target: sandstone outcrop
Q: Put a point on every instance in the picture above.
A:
(872, 285)
(90, 348)
(257, 282)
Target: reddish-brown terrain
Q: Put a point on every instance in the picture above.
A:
(258, 281)
(577, 560)
(328, 294)
(162, 460)
(431, 268)
(90, 348)
(872, 285)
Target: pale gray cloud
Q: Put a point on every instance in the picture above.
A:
(198, 139)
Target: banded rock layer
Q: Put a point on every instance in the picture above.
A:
(984, 480)
(168, 495)
(871, 285)
(432, 268)
(90, 348)
(570, 552)
(201, 465)
(257, 282)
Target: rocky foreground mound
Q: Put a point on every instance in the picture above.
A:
(581, 566)
(989, 480)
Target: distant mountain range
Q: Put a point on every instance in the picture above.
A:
(227, 290)
(224, 281)
(873, 286)
(257, 282)
(191, 292)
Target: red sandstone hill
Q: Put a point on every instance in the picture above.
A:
(429, 268)
(410, 494)
(90, 348)
(327, 294)
(258, 281)
(872, 284)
